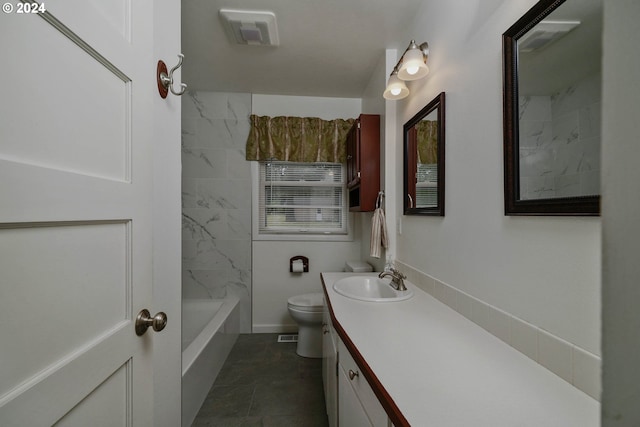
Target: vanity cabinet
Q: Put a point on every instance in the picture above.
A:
(363, 163)
(349, 399)
(444, 391)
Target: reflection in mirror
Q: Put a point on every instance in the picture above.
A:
(552, 78)
(424, 160)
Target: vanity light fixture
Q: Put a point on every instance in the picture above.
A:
(411, 66)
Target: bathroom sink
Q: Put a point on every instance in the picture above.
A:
(370, 288)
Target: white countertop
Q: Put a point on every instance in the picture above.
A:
(443, 370)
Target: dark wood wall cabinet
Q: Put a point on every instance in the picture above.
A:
(363, 163)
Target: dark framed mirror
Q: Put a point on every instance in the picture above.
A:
(552, 109)
(424, 160)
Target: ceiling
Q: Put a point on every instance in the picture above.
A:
(327, 47)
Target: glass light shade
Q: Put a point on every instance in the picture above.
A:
(396, 89)
(413, 65)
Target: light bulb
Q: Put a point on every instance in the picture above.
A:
(412, 69)
(396, 89)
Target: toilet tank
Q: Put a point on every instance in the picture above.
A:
(358, 266)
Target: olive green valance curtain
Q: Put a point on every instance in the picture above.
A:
(297, 139)
(427, 137)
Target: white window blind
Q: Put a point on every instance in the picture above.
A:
(302, 198)
(427, 185)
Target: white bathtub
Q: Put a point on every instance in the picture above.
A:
(209, 331)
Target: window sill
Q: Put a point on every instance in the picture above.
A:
(304, 237)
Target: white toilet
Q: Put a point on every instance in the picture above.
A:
(306, 310)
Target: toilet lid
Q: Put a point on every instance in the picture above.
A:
(309, 302)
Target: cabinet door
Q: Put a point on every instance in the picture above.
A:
(325, 349)
(329, 370)
(332, 385)
(353, 155)
(350, 413)
(363, 163)
(360, 386)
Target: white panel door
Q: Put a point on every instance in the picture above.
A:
(76, 197)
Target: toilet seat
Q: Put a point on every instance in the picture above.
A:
(307, 302)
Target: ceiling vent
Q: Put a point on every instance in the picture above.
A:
(250, 27)
(545, 33)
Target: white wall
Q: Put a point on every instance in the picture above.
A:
(620, 213)
(272, 282)
(546, 270)
(305, 106)
(373, 103)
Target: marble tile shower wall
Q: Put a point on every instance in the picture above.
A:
(560, 142)
(216, 199)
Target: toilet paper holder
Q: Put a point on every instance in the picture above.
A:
(305, 263)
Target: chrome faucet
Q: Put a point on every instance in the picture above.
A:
(397, 279)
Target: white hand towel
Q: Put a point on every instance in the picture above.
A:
(379, 238)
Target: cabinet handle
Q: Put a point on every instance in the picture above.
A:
(353, 374)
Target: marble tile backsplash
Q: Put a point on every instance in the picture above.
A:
(216, 199)
(559, 137)
(573, 364)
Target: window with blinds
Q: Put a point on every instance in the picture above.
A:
(305, 198)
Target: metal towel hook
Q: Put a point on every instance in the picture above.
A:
(165, 79)
(379, 199)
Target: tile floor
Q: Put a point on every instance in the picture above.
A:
(265, 383)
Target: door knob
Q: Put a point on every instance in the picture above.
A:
(144, 320)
